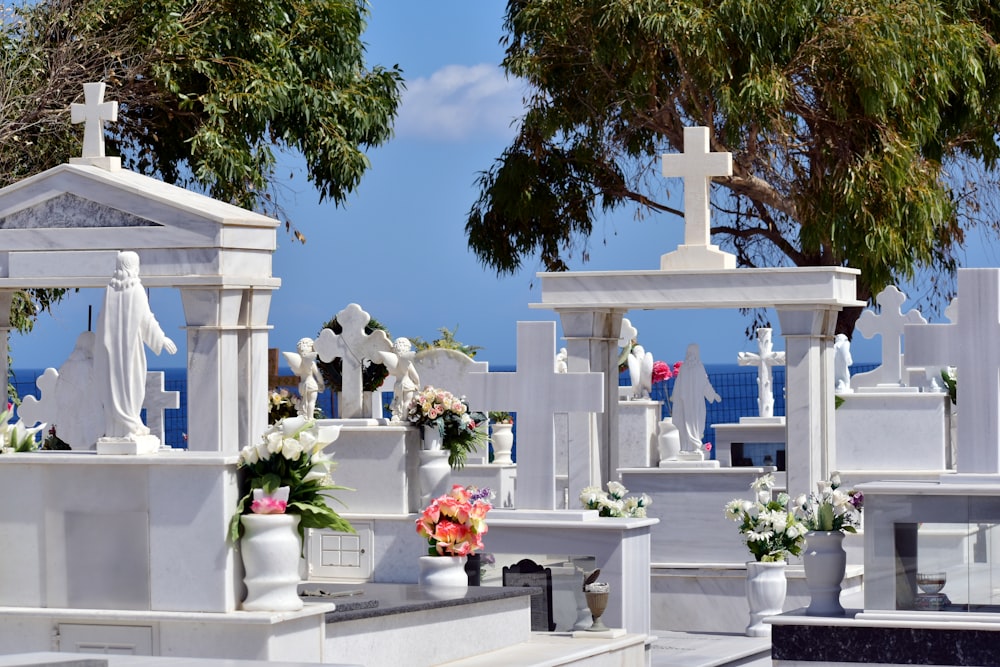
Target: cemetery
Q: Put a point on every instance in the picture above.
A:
(604, 541)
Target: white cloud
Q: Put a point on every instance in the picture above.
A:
(460, 101)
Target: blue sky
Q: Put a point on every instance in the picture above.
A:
(398, 246)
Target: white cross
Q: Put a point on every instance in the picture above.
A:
(971, 346)
(889, 324)
(94, 112)
(763, 360)
(157, 400)
(697, 166)
(353, 346)
(537, 393)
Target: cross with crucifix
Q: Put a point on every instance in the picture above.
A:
(353, 346)
(970, 344)
(763, 360)
(697, 165)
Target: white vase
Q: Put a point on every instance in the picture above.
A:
(668, 440)
(766, 589)
(443, 572)
(270, 548)
(432, 439)
(435, 475)
(825, 562)
(503, 442)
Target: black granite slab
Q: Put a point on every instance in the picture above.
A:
(824, 644)
(366, 600)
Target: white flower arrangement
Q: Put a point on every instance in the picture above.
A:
(17, 437)
(770, 529)
(830, 508)
(613, 502)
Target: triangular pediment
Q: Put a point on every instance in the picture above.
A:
(70, 211)
(66, 225)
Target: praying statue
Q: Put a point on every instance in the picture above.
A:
(691, 389)
(125, 326)
(303, 364)
(400, 365)
(842, 363)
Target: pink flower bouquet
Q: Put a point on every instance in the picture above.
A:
(454, 524)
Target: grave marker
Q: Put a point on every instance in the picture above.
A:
(889, 323)
(352, 345)
(763, 360)
(697, 165)
(971, 345)
(537, 394)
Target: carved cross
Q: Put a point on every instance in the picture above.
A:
(763, 360)
(353, 346)
(157, 400)
(93, 112)
(697, 165)
(537, 394)
(889, 324)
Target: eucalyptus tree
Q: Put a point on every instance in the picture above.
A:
(208, 91)
(853, 126)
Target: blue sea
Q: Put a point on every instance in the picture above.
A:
(736, 384)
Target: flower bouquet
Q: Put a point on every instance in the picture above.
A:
(287, 472)
(830, 508)
(454, 524)
(613, 502)
(462, 431)
(770, 529)
(17, 437)
(662, 371)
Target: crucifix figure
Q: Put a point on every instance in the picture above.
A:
(93, 113)
(889, 324)
(353, 346)
(697, 165)
(970, 344)
(763, 360)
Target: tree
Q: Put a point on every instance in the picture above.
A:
(208, 90)
(852, 123)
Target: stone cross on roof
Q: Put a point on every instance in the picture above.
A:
(93, 113)
(697, 164)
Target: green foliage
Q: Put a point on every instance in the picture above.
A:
(446, 341)
(208, 92)
(850, 124)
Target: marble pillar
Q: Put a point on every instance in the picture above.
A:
(809, 403)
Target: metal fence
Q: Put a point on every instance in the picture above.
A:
(736, 385)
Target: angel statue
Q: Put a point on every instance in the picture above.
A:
(303, 364)
(640, 371)
(400, 365)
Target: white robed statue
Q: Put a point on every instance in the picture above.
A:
(125, 326)
(691, 389)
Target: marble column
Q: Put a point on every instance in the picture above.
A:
(214, 382)
(592, 345)
(809, 402)
(253, 385)
(6, 297)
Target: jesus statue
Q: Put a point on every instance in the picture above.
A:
(125, 326)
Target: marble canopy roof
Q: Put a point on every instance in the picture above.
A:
(64, 226)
